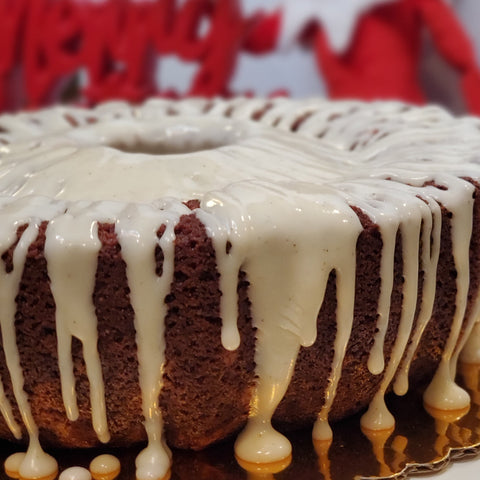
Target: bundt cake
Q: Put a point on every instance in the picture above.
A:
(180, 271)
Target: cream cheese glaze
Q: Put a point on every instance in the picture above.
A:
(276, 181)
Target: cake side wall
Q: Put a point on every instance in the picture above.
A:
(207, 389)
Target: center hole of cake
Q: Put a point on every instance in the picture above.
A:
(150, 147)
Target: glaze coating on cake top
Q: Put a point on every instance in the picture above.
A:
(279, 185)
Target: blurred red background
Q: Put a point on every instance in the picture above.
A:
(87, 51)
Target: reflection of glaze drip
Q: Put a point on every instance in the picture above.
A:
(378, 439)
(264, 471)
(251, 180)
(322, 448)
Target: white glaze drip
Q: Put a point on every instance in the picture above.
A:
(345, 274)
(229, 264)
(9, 284)
(71, 250)
(376, 362)
(285, 313)
(443, 393)
(377, 417)
(429, 261)
(36, 462)
(137, 229)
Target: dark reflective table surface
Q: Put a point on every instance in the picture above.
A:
(419, 443)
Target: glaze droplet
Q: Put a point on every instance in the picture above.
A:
(105, 467)
(75, 473)
(12, 464)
